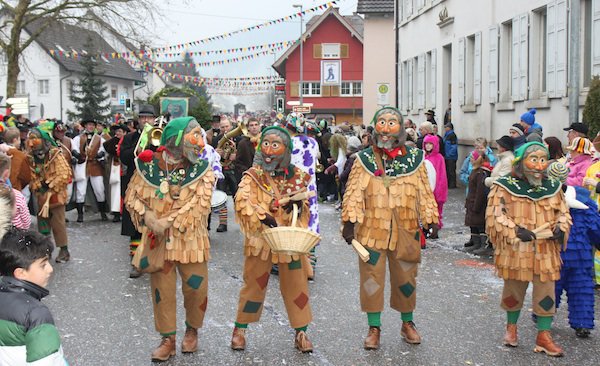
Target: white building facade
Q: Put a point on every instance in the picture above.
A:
(494, 59)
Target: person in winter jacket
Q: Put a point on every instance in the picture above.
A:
(27, 331)
(580, 150)
(476, 201)
(517, 133)
(432, 154)
(481, 145)
(451, 148)
(530, 126)
(505, 159)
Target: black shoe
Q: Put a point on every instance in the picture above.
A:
(534, 318)
(275, 270)
(582, 332)
(222, 228)
(116, 217)
(134, 273)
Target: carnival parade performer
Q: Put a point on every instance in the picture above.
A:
(50, 175)
(169, 200)
(387, 197)
(272, 178)
(520, 206)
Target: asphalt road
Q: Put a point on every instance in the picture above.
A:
(105, 318)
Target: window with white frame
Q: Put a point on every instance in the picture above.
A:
(493, 52)
(505, 64)
(537, 55)
(311, 89)
(351, 88)
(591, 40)
(21, 87)
(554, 79)
(420, 62)
(114, 91)
(330, 50)
(43, 87)
(472, 70)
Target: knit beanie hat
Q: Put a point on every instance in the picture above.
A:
(558, 171)
(529, 117)
(517, 128)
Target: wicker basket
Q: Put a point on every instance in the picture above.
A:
(291, 240)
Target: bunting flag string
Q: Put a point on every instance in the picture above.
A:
(248, 29)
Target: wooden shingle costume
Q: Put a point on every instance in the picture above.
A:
(528, 221)
(50, 175)
(168, 198)
(272, 178)
(387, 198)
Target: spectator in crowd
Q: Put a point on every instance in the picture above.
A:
(408, 123)
(481, 145)
(20, 175)
(530, 126)
(555, 148)
(517, 133)
(20, 213)
(426, 128)
(411, 135)
(451, 149)
(580, 150)
(432, 154)
(354, 146)
(476, 201)
(576, 129)
(505, 160)
(440, 139)
(366, 139)
(430, 116)
(448, 114)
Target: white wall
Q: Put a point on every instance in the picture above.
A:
(487, 118)
(378, 60)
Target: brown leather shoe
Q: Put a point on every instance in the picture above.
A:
(372, 340)
(165, 350)
(302, 342)
(63, 255)
(544, 343)
(409, 333)
(190, 341)
(510, 337)
(238, 339)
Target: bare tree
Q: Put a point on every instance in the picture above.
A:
(132, 19)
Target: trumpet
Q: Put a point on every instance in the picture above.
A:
(241, 129)
(151, 135)
(319, 168)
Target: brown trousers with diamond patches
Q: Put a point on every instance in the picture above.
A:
(194, 285)
(403, 281)
(293, 284)
(513, 295)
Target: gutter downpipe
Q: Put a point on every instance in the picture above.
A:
(61, 94)
(397, 54)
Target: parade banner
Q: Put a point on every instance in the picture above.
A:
(176, 106)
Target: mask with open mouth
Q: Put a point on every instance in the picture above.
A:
(389, 132)
(274, 149)
(531, 162)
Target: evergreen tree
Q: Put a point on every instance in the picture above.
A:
(591, 111)
(90, 93)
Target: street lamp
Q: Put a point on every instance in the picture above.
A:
(301, 52)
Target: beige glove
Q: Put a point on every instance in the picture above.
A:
(156, 225)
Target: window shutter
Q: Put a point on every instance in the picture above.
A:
(344, 50)
(523, 53)
(551, 49)
(317, 50)
(420, 4)
(404, 89)
(325, 90)
(408, 8)
(410, 84)
(493, 65)
(477, 70)
(515, 53)
(595, 37)
(561, 48)
(294, 89)
(461, 71)
(334, 90)
(421, 81)
(433, 77)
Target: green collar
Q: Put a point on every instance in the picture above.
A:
(153, 175)
(522, 188)
(398, 167)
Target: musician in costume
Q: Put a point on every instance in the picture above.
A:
(127, 154)
(89, 152)
(271, 178)
(64, 142)
(169, 201)
(228, 154)
(246, 147)
(113, 169)
(387, 197)
(50, 174)
(519, 204)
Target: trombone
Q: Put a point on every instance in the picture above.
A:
(151, 134)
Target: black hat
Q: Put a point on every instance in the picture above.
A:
(578, 127)
(216, 118)
(431, 112)
(118, 126)
(85, 121)
(146, 110)
(449, 125)
(506, 142)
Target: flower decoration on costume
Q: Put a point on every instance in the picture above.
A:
(146, 156)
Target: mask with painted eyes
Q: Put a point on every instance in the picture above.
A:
(193, 142)
(37, 145)
(274, 153)
(532, 167)
(389, 132)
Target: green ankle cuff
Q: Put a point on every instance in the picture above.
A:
(168, 334)
(241, 326)
(407, 317)
(544, 322)
(302, 329)
(512, 316)
(374, 319)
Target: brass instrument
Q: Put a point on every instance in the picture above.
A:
(319, 168)
(151, 135)
(241, 129)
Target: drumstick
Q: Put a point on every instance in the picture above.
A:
(541, 228)
(360, 249)
(297, 197)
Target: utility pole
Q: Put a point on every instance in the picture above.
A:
(301, 52)
(574, 69)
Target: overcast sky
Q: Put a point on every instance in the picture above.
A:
(193, 20)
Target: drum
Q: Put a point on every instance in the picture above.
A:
(218, 200)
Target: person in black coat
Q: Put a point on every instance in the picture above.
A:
(127, 155)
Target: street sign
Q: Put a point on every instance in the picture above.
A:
(301, 109)
(122, 98)
(383, 94)
(279, 89)
(19, 105)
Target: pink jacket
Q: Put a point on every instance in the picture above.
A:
(437, 160)
(578, 166)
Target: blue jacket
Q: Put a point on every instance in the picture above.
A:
(451, 145)
(466, 167)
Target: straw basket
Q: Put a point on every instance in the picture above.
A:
(291, 240)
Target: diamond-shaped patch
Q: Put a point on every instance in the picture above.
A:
(371, 286)
(547, 303)
(195, 281)
(295, 265)
(251, 307)
(510, 301)
(156, 296)
(373, 256)
(407, 289)
(301, 300)
(263, 280)
(144, 263)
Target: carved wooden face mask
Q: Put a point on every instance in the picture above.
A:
(389, 132)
